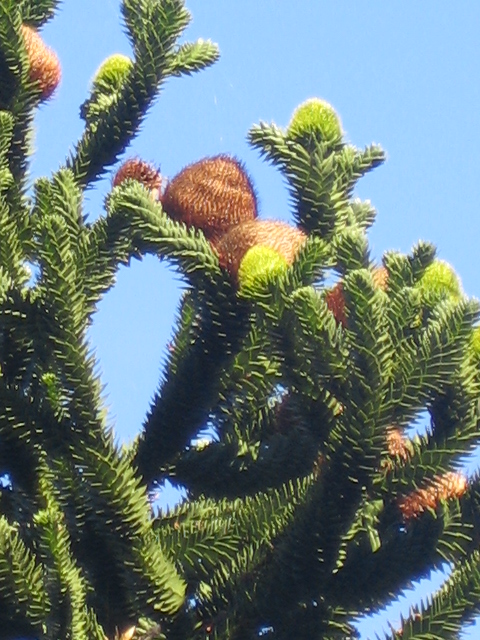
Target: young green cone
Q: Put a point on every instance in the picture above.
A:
(316, 118)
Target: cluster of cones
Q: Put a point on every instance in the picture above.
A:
(216, 195)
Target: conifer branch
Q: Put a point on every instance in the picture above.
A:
(454, 605)
(194, 56)
(216, 594)
(67, 587)
(321, 177)
(17, 94)
(153, 27)
(218, 327)
(38, 12)
(24, 604)
(152, 231)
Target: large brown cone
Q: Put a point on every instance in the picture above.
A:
(281, 237)
(213, 195)
(45, 70)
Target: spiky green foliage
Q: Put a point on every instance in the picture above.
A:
(153, 28)
(321, 173)
(309, 501)
(37, 12)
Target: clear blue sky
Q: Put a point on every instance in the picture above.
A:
(404, 74)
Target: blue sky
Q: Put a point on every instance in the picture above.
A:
(403, 74)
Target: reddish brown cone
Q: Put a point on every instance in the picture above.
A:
(213, 195)
(279, 236)
(335, 300)
(142, 171)
(450, 485)
(45, 70)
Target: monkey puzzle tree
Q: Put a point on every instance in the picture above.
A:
(314, 501)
